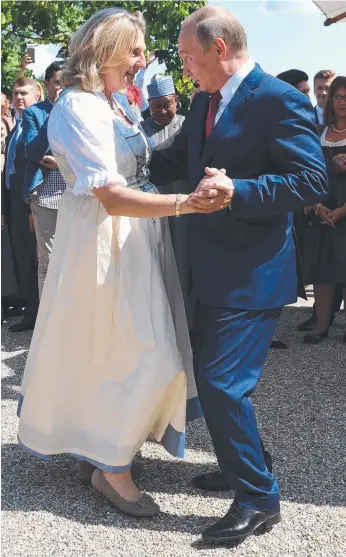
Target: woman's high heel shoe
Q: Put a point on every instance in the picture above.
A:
(316, 338)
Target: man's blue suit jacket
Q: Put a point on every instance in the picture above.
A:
(266, 139)
(35, 120)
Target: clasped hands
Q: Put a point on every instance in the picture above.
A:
(213, 193)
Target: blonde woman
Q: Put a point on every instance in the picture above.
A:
(110, 359)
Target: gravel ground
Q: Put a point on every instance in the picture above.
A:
(301, 412)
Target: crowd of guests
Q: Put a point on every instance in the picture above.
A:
(321, 229)
(32, 187)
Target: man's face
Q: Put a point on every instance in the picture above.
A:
(197, 64)
(304, 88)
(54, 87)
(25, 96)
(163, 109)
(321, 88)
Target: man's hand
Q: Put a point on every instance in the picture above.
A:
(49, 162)
(324, 213)
(214, 191)
(2, 222)
(31, 223)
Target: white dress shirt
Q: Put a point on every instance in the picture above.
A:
(231, 86)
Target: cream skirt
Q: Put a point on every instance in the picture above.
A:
(110, 360)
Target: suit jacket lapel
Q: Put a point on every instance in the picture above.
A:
(230, 122)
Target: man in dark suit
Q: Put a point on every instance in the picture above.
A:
(43, 182)
(261, 131)
(17, 213)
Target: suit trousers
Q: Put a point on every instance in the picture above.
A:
(24, 251)
(45, 224)
(230, 347)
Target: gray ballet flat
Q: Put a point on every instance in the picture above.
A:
(85, 471)
(143, 506)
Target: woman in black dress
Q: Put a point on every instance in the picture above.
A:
(329, 220)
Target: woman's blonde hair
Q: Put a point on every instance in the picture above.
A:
(103, 42)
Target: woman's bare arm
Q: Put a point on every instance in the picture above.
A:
(121, 201)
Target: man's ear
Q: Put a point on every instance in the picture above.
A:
(220, 47)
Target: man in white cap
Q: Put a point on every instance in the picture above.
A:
(164, 122)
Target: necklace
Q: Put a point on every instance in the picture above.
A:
(338, 131)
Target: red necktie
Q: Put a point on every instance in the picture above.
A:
(213, 108)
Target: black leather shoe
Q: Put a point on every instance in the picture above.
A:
(14, 312)
(27, 324)
(316, 338)
(278, 344)
(241, 522)
(216, 481)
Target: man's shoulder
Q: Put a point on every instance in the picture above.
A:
(278, 95)
(37, 108)
(275, 87)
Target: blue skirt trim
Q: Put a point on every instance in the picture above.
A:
(173, 441)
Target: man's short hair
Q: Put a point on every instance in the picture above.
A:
(324, 74)
(25, 81)
(293, 77)
(50, 71)
(214, 22)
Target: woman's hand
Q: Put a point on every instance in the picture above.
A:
(189, 204)
(49, 162)
(340, 161)
(324, 213)
(337, 214)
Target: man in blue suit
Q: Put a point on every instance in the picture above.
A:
(254, 137)
(16, 212)
(43, 182)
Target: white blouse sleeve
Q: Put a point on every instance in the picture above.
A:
(81, 127)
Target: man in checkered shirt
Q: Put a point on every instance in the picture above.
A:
(43, 184)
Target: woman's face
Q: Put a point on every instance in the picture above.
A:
(339, 102)
(123, 75)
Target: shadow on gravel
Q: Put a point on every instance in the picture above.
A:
(300, 406)
(13, 342)
(30, 485)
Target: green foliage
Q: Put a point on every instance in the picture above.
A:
(49, 22)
